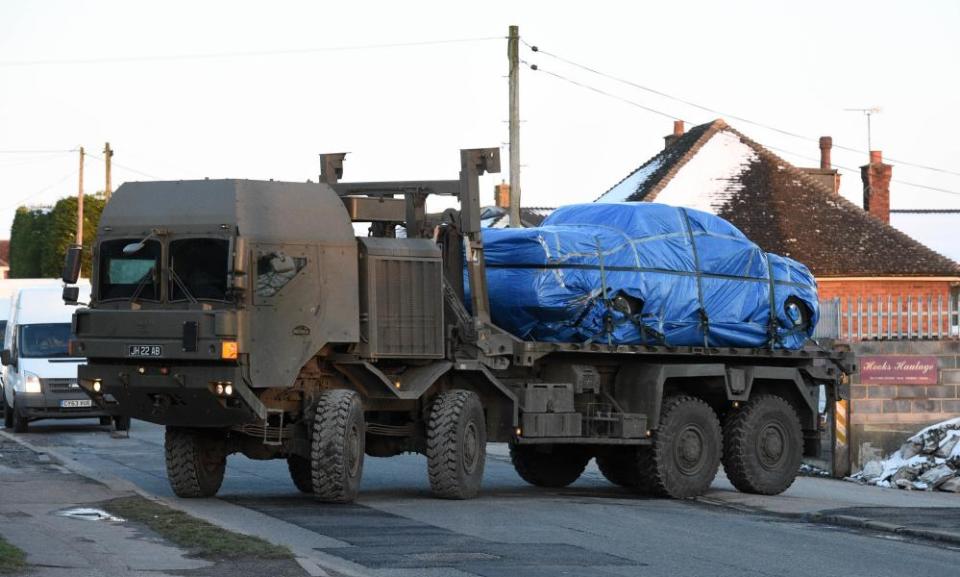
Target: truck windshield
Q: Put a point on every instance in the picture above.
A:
(201, 265)
(122, 276)
(44, 341)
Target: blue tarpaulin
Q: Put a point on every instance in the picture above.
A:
(646, 273)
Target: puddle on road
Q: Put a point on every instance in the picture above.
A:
(89, 514)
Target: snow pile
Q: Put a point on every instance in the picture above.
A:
(929, 460)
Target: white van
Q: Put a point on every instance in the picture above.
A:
(40, 376)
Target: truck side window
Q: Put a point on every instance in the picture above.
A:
(274, 270)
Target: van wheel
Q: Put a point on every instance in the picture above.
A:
(763, 446)
(686, 449)
(18, 419)
(337, 446)
(456, 445)
(121, 423)
(196, 461)
(549, 466)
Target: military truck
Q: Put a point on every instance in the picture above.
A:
(248, 317)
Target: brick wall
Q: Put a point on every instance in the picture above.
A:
(883, 416)
(923, 302)
(874, 289)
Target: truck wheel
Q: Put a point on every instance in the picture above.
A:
(685, 454)
(196, 462)
(456, 445)
(631, 468)
(620, 469)
(18, 420)
(121, 423)
(763, 446)
(548, 466)
(337, 446)
(300, 473)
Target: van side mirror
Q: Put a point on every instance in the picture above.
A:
(71, 294)
(5, 356)
(71, 264)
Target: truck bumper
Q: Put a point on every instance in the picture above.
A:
(186, 396)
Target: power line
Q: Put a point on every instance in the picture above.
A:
(37, 151)
(244, 53)
(857, 171)
(41, 191)
(721, 113)
(118, 165)
(536, 68)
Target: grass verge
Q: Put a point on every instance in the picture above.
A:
(197, 536)
(12, 560)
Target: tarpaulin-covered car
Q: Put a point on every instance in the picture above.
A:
(646, 273)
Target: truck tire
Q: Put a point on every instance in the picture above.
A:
(456, 445)
(337, 446)
(300, 473)
(121, 423)
(631, 468)
(763, 446)
(196, 462)
(685, 455)
(554, 467)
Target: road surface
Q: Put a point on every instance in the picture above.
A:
(588, 529)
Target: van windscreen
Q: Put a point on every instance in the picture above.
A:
(44, 341)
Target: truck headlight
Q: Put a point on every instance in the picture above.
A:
(30, 383)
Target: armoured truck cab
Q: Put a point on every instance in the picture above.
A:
(202, 289)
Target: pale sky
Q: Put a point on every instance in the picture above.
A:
(175, 89)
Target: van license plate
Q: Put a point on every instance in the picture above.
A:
(76, 403)
(145, 351)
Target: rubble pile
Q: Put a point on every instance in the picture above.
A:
(929, 460)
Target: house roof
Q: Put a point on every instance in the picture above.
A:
(498, 217)
(936, 228)
(717, 169)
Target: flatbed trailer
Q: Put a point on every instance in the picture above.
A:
(247, 318)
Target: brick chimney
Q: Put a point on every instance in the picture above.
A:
(826, 174)
(677, 133)
(876, 186)
(501, 195)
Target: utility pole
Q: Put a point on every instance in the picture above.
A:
(107, 155)
(80, 201)
(513, 55)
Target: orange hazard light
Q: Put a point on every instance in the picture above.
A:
(228, 350)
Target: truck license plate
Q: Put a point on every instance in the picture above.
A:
(145, 351)
(76, 403)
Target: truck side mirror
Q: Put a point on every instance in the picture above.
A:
(71, 294)
(5, 357)
(71, 264)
